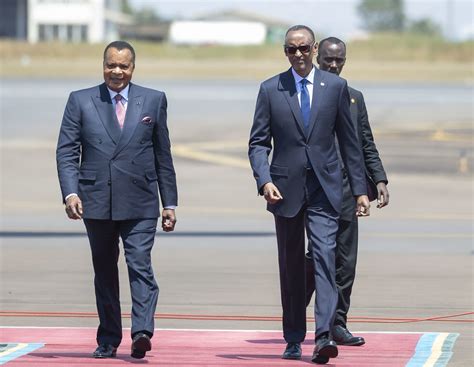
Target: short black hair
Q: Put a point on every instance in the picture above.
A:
(121, 45)
(331, 40)
(299, 27)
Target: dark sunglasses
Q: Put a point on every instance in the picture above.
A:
(304, 49)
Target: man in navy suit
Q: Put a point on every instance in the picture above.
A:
(113, 155)
(332, 57)
(298, 114)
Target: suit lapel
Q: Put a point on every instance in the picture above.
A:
(319, 86)
(134, 108)
(104, 107)
(288, 87)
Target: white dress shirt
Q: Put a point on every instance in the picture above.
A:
(309, 84)
(123, 93)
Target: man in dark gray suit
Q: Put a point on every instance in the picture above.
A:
(298, 113)
(113, 154)
(332, 57)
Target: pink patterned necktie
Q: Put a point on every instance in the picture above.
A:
(119, 110)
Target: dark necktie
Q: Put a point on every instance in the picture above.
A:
(305, 106)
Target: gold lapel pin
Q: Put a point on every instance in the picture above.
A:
(353, 100)
(322, 84)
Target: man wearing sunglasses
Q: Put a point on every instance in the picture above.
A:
(298, 114)
(332, 57)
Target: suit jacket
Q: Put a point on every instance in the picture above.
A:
(278, 118)
(116, 172)
(375, 172)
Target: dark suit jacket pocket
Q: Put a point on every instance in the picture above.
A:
(151, 175)
(278, 171)
(87, 175)
(333, 166)
(148, 119)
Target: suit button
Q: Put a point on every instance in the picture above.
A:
(134, 181)
(109, 182)
(142, 142)
(100, 141)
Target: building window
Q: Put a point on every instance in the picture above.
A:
(45, 32)
(55, 30)
(63, 32)
(62, 1)
(84, 36)
(69, 32)
(42, 32)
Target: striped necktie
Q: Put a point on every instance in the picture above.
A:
(120, 110)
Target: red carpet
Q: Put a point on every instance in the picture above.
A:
(70, 347)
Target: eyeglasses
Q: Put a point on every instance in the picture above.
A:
(304, 49)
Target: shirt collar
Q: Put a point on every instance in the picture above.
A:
(123, 93)
(298, 78)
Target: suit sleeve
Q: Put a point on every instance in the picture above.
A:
(68, 150)
(260, 143)
(349, 146)
(372, 159)
(163, 159)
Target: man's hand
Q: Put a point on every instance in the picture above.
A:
(382, 195)
(74, 207)
(168, 220)
(363, 206)
(271, 193)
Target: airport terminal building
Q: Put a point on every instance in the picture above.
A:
(89, 21)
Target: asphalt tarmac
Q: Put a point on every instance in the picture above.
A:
(416, 256)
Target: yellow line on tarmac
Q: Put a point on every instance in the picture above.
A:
(218, 145)
(28, 144)
(429, 134)
(417, 235)
(216, 158)
(376, 215)
(216, 210)
(442, 135)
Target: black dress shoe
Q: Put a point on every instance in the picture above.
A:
(292, 351)
(105, 351)
(342, 336)
(141, 344)
(325, 348)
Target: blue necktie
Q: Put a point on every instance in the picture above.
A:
(305, 106)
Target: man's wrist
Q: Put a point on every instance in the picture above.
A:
(260, 191)
(69, 196)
